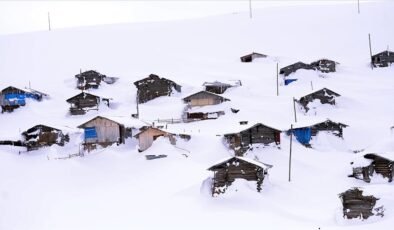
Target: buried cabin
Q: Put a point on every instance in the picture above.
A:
(204, 98)
(102, 131)
(12, 98)
(325, 96)
(383, 59)
(244, 139)
(92, 79)
(374, 164)
(286, 71)
(230, 169)
(42, 135)
(356, 205)
(252, 56)
(324, 65)
(83, 102)
(153, 86)
(304, 133)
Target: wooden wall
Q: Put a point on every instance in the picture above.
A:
(107, 131)
(147, 137)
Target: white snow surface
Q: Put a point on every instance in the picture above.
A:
(117, 188)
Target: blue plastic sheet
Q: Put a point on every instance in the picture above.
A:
(303, 135)
(15, 98)
(288, 81)
(90, 132)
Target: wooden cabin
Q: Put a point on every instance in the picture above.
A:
(147, 135)
(383, 59)
(199, 116)
(286, 71)
(92, 79)
(325, 96)
(153, 86)
(355, 205)
(203, 98)
(230, 169)
(259, 133)
(103, 132)
(12, 98)
(42, 135)
(324, 65)
(219, 87)
(378, 164)
(252, 56)
(83, 102)
(304, 133)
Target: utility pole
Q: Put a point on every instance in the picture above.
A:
(312, 85)
(49, 21)
(291, 144)
(370, 49)
(295, 113)
(138, 110)
(277, 79)
(358, 6)
(250, 8)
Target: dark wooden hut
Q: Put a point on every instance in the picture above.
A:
(378, 164)
(220, 87)
(153, 86)
(383, 59)
(12, 98)
(325, 96)
(243, 140)
(103, 132)
(252, 56)
(355, 205)
(286, 71)
(324, 65)
(230, 169)
(203, 98)
(304, 133)
(199, 116)
(42, 135)
(83, 102)
(92, 79)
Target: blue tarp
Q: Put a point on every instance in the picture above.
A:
(303, 135)
(288, 81)
(90, 132)
(15, 98)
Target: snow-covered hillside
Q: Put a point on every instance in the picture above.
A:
(117, 188)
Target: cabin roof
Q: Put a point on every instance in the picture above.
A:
(384, 53)
(32, 129)
(120, 120)
(26, 90)
(241, 128)
(294, 64)
(254, 53)
(89, 73)
(229, 83)
(244, 159)
(83, 94)
(313, 122)
(153, 77)
(365, 159)
(146, 128)
(326, 89)
(83, 125)
(325, 59)
(206, 93)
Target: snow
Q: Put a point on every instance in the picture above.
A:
(116, 187)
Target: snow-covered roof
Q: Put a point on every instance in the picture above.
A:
(311, 122)
(210, 108)
(223, 83)
(121, 120)
(237, 128)
(326, 89)
(361, 160)
(254, 162)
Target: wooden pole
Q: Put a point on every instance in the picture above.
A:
(370, 49)
(277, 79)
(250, 8)
(295, 113)
(138, 110)
(358, 6)
(49, 21)
(291, 144)
(312, 85)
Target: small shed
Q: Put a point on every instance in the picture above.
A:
(259, 133)
(377, 164)
(203, 98)
(252, 56)
(42, 135)
(153, 86)
(102, 131)
(83, 102)
(92, 79)
(324, 65)
(305, 132)
(148, 134)
(356, 205)
(12, 97)
(383, 59)
(220, 87)
(325, 96)
(228, 170)
(286, 71)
